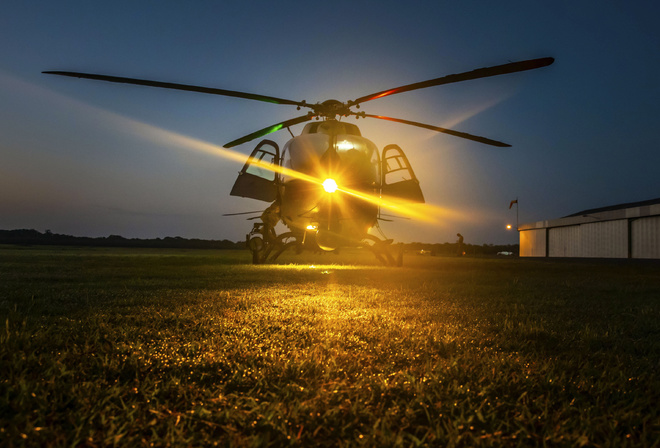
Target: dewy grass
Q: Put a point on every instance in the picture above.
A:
(145, 347)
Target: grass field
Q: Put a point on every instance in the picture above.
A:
(122, 347)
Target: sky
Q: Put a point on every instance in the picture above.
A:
(90, 158)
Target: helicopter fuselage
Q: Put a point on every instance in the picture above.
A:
(330, 180)
(327, 185)
(343, 168)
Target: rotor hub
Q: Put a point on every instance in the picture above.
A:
(332, 108)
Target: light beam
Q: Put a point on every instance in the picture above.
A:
(423, 212)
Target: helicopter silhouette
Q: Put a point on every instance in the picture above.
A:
(327, 185)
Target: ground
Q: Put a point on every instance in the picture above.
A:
(182, 347)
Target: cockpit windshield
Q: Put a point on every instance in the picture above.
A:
(311, 152)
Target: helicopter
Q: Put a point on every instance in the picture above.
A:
(328, 184)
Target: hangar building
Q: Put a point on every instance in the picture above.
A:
(620, 231)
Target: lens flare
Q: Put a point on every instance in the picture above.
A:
(329, 185)
(422, 212)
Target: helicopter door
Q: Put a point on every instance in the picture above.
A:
(255, 180)
(398, 179)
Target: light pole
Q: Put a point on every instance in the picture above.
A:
(515, 201)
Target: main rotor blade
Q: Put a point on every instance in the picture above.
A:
(170, 85)
(243, 213)
(268, 130)
(475, 138)
(393, 216)
(474, 74)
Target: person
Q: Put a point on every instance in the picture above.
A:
(459, 243)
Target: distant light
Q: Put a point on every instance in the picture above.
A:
(345, 145)
(330, 185)
(311, 227)
(508, 226)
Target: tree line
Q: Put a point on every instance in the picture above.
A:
(451, 249)
(34, 237)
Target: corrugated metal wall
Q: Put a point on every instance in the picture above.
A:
(607, 239)
(610, 232)
(532, 243)
(646, 237)
(564, 241)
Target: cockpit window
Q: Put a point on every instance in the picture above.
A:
(258, 166)
(351, 129)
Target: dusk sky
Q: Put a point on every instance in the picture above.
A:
(91, 158)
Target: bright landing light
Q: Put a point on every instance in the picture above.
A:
(345, 145)
(330, 185)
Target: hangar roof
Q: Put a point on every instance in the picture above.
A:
(615, 207)
(631, 210)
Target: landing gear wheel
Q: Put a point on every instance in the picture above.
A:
(256, 245)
